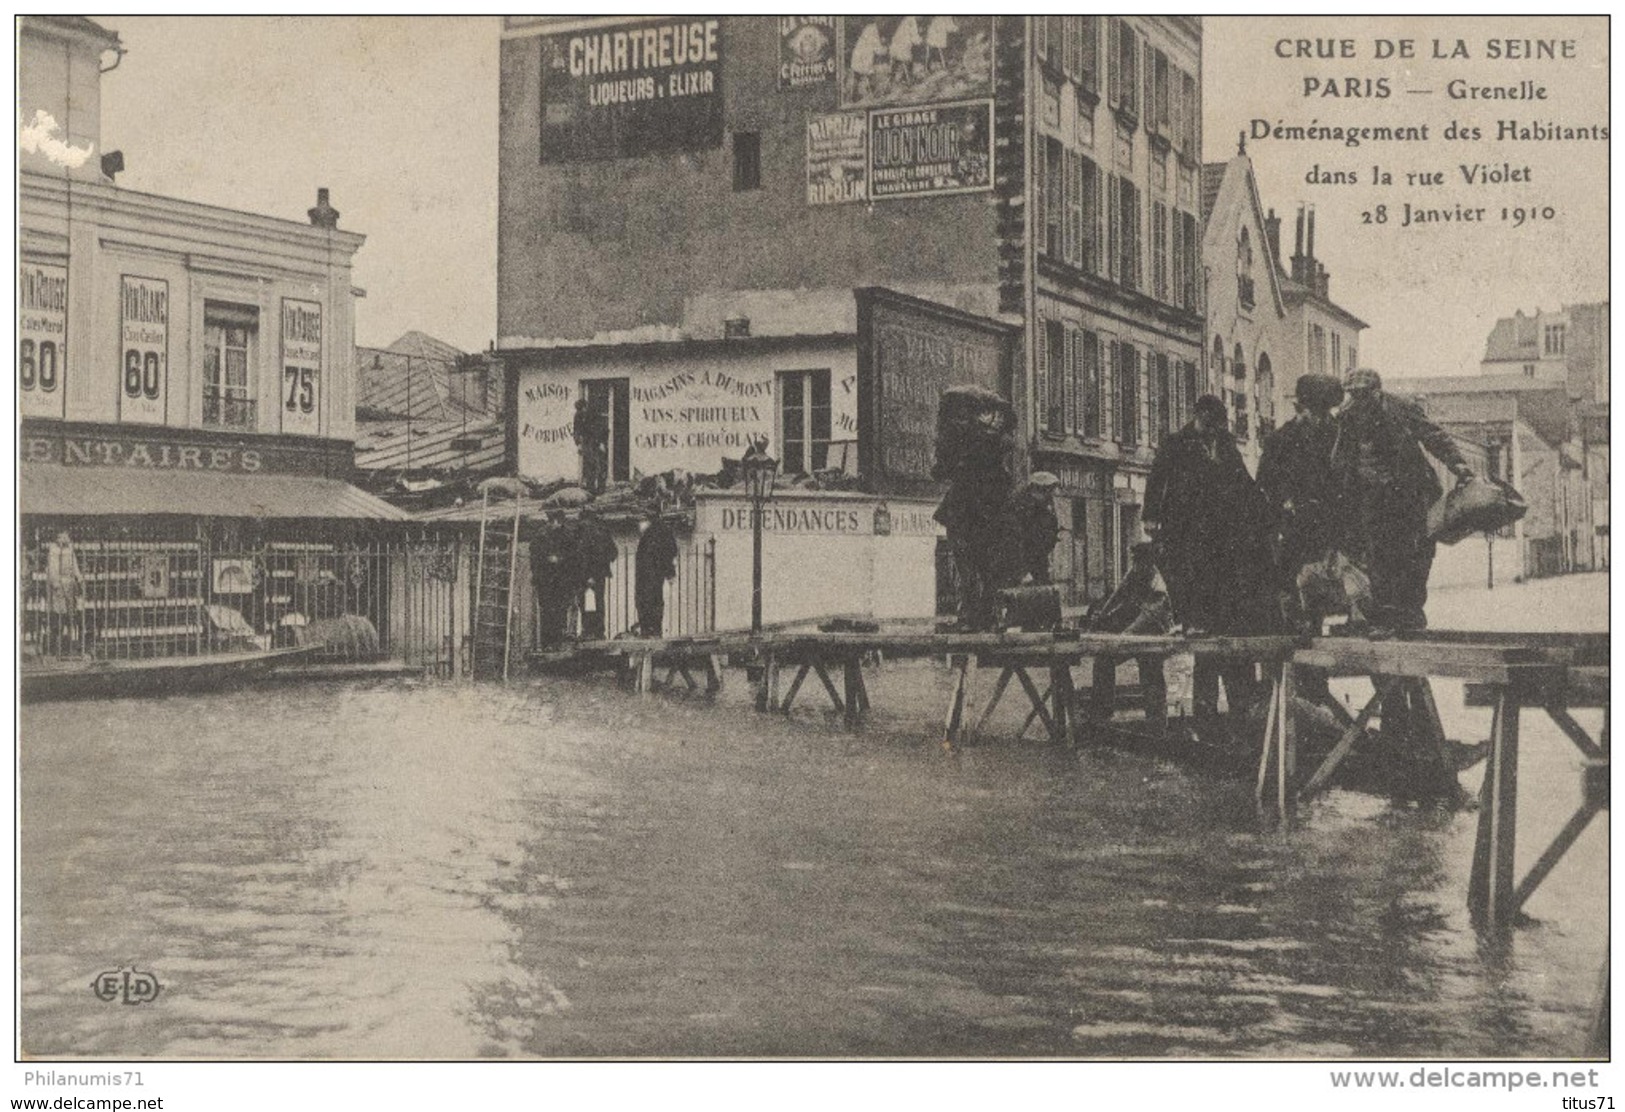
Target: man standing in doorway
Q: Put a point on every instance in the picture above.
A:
(592, 441)
(1388, 487)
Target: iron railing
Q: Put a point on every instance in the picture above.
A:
(139, 599)
(226, 410)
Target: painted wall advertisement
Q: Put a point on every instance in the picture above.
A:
(935, 149)
(42, 339)
(144, 347)
(301, 366)
(652, 87)
(915, 59)
(806, 50)
(837, 158)
(909, 352)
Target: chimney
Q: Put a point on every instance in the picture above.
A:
(1309, 250)
(1323, 281)
(1272, 232)
(323, 215)
(1297, 251)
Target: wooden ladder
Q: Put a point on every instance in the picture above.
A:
(495, 575)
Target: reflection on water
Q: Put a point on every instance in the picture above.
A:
(556, 869)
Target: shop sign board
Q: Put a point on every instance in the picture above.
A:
(806, 50)
(931, 150)
(645, 88)
(42, 339)
(87, 445)
(914, 59)
(301, 366)
(144, 350)
(837, 158)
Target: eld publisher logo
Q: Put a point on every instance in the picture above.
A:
(128, 984)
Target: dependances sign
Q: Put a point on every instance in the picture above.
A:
(651, 87)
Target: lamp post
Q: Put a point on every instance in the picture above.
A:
(758, 469)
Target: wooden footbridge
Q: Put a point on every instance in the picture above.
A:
(1553, 674)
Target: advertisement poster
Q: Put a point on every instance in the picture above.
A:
(633, 89)
(42, 339)
(301, 366)
(144, 340)
(935, 149)
(806, 50)
(915, 59)
(837, 158)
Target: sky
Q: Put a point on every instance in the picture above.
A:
(398, 117)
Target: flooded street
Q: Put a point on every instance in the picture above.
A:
(394, 869)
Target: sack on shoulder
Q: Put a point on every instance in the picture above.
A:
(1479, 505)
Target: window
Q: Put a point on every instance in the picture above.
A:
(1074, 209)
(1086, 369)
(1238, 394)
(1050, 41)
(1125, 74)
(230, 334)
(1529, 370)
(1190, 263)
(1554, 339)
(1159, 250)
(1128, 238)
(1337, 350)
(804, 421)
(1317, 349)
(1164, 400)
(1128, 397)
(1264, 395)
(1072, 42)
(1192, 390)
(1089, 188)
(1187, 121)
(747, 161)
(1244, 268)
(1055, 202)
(1089, 53)
(1055, 376)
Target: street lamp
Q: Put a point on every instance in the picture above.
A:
(758, 469)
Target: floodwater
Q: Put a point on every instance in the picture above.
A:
(401, 869)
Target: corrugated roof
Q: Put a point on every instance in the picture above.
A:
(46, 488)
(428, 446)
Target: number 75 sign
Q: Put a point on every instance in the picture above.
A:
(301, 393)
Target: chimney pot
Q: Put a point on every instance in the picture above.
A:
(324, 215)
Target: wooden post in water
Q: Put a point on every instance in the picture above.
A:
(1490, 890)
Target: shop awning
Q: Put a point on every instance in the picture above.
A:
(45, 488)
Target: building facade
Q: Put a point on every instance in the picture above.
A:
(185, 381)
(1269, 321)
(720, 189)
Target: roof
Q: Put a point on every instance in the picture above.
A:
(414, 377)
(1478, 384)
(48, 488)
(1212, 180)
(429, 445)
(1296, 293)
(1543, 404)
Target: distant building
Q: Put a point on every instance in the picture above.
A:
(1540, 407)
(1267, 324)
(683, 195)
(186, 386)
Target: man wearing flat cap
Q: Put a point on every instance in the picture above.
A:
(1295, 474)
(1388, 486)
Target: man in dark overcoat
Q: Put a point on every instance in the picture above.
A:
(1212, 545)
(656, 562)
(1388, 486)
(1295, 476)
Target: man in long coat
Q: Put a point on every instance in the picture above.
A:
(656, 562)
(1210, 526)
(1295, 476)
(1388, 487)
